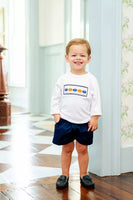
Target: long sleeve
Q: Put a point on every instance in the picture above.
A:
(96, 100)
(56, 99)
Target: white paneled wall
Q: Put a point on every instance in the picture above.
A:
(51, 22)
(105, 39)
(46, 63)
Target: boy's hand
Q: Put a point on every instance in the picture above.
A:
(93, 123)
(56, 118)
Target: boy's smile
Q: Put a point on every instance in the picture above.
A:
(78, 62)
(78, 58)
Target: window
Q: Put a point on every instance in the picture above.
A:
(4, 30)
(17, 70)
(76, 32)
(2, 26)
(79, 22)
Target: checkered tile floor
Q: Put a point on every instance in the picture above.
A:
(27, 152)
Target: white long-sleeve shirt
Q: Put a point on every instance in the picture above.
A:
(76, 97)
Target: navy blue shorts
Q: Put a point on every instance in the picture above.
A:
(66, 132)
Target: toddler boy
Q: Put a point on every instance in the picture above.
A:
(76, 108)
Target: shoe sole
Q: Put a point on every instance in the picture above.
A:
(62, 187)
(89, 187)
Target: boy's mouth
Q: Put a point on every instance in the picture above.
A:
(78, 63)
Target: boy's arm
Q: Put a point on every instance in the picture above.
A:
(95, 107)
(55, 101)
(93, 123)
(56, 118)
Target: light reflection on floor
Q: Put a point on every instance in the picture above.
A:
(18, 152)
(21, 159)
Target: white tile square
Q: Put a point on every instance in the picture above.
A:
(55, 150)
(7, 133)
(41, 124)
(36, 119)
(35, 172)
(36, 131)
(10, 157)
(40, 172)
(4, 144)
(41, 139)
(52, 150)
(6, 127)
(5, 157)
(3, 177)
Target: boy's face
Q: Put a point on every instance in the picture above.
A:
(78, 58)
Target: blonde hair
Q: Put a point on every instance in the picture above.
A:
(78, 41)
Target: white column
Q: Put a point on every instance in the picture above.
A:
(105, 40)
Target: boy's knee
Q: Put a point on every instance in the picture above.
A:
(81, 148)
(68, 148)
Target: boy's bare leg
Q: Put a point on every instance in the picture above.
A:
(66, 156)
(83, 158)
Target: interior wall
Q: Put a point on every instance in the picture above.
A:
(105, 39)
(51, 67)
(51, 22)
(18, 96)
(106, 156)
(46, 64)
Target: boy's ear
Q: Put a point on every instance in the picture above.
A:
(89, 58)
(66, 56)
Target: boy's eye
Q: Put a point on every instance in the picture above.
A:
(73, 55)
(82, 55)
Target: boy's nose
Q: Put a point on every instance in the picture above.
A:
(78, 58)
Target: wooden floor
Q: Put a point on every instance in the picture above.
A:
(17, 184)
(109, 188)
